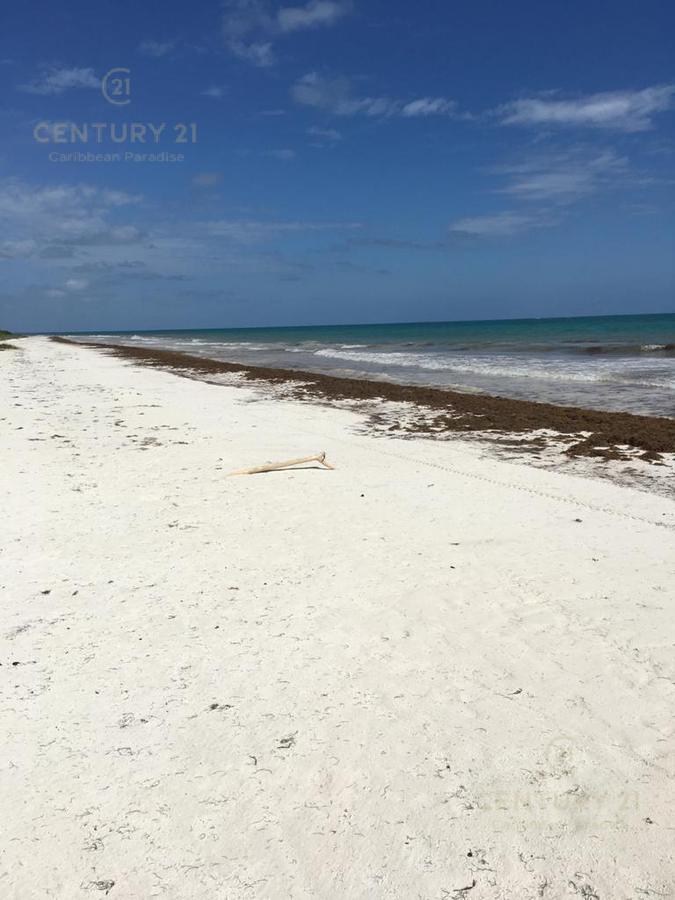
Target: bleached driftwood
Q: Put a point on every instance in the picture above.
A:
(287, 464)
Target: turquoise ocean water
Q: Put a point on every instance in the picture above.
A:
(605, 362)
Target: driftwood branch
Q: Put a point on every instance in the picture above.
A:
(287, 464)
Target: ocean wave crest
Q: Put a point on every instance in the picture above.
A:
(564, 370)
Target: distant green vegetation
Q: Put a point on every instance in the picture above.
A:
(5, 335)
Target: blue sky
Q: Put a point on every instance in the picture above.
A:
(350, 161)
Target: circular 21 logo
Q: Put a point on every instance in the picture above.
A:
(116, 86)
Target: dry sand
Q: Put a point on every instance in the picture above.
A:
(426, 674)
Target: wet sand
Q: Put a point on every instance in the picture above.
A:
(599, 434)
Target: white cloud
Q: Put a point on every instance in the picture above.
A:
(243, 17)
(17, 249)
(207, 179)
(70, 286)
(156, 49)
(502, 224)
(285, 154)
(312, 90)
(117, 198)
(336, 96)
(61, 215)
(251, 231)
(76, 284)
(554, 179)
(23, 201)
(325, 134)
(250, 27)
(314, 14)
(118, 234)
(627, 111)
(57, 80)
(246, 26)
(429, 106)
(258, 54)
(564, 178)
(216, 92)
(368, 106)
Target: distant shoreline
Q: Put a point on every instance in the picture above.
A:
(598, 434)
(617, 364)
(341, 325)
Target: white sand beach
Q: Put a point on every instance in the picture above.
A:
(426, 674)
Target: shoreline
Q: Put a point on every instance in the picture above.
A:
(599, 434)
